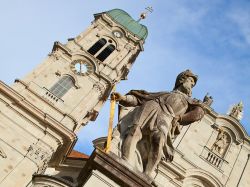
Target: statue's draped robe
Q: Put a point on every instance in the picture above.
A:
(155, 113)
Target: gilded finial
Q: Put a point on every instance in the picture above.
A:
(144, 14)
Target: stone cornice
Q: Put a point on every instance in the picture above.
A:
(58, 45)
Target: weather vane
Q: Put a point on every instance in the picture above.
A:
(144, 14)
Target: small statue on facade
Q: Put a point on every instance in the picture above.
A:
(236, 111)
(148, 129)
(221, 143)
(208, 100)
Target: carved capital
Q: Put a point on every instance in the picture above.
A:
(39, 156)
(42, 166)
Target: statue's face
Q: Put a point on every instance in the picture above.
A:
(187, 86)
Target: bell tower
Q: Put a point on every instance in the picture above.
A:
(41, 112)
(77, 77)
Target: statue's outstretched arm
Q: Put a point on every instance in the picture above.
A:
(130, 100)
(193, 115)
(125, 100)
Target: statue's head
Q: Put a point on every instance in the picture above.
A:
(185, 81)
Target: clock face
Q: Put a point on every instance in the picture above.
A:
(117, 34)
(81, 67)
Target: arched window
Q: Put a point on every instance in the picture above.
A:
(106, 52)
(62, 86)
(200, 181)
(102, 49)
(97, 46)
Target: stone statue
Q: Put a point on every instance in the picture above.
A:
(220, 143)
(208, 100)
(148, 129)
(237, 111)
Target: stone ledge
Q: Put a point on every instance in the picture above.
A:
(114, 168)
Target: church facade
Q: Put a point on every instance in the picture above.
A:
(41, 114)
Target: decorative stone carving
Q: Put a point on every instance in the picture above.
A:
(92, 115)
(208, 100)
(58, 73)
(125, 71)
(55, 55)
(147, 129)
(100, 27)
(39, 156)
(43, 165)
(221, 143)
(2, 153)
(129, 47)
(99, 88)
(236, 111)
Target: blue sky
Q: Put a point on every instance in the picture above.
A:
(210, 37)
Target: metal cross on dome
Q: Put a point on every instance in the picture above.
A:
(143, 15)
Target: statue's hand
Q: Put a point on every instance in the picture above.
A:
(117, 96)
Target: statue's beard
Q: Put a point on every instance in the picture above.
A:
(186, 90)
(189, 92)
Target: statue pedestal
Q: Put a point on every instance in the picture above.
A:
(104, 169)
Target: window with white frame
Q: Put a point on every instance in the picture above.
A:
(60, 88)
